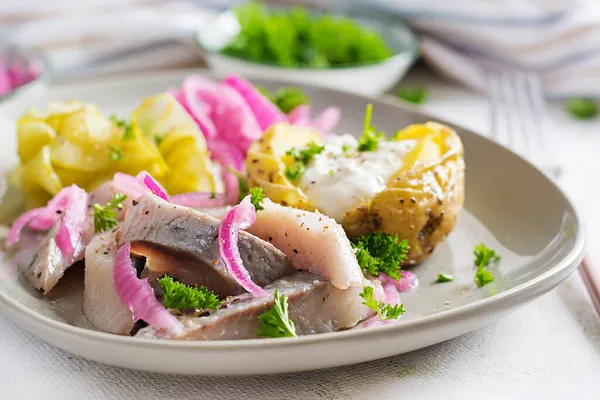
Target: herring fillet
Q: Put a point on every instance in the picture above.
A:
(101, 305)
(313, 242)
(183, 243)
(45, 266)
(315, 306)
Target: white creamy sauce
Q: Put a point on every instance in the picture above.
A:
(336, 183)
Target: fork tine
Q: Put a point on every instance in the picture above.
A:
(524, 110)
(494, 102)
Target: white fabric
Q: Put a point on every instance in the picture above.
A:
(548, 350)
(558, 38)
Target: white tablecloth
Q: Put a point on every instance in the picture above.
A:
(550, 349)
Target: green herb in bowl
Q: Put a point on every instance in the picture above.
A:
(297, 38)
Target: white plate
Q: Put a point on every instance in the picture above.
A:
(510, 206)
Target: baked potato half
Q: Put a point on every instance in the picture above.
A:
(420, 202)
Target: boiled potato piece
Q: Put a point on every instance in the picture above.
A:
(420, 203)
(181, 144)
(39, 174)
(265, 164)
(72, 142)
(89, 129)
(189, 169)
(31, 137)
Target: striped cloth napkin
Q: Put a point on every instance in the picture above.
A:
(558, 39)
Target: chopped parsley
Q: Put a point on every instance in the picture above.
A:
(276, 322)
(105, 217)
(413, 94)
(257, 194)
(483, 277)
(370, 138)
(115, 153)
(582, 108)
(379, 252)
(331, 172)
(385, 311)
(295, 172)
(158, 138)
(179, 295)
(301, 157)
(443, 277)
(213, 195)
(483, 257)
(346, 148)
(121, 123)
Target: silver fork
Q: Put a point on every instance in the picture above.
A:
(517, 119)
(517, 116)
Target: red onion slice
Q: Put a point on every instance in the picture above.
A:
(407, 283)
(129, 186)
(301, 115)
(197, 96)
(228, 156)
(328, 120)
(70, 231)
(145, 178)
(239, 218)
(264, 110)
(20, 223)
(71, 203)
(137, 294)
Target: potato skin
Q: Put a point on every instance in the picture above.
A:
(421, 203)
(265, 168)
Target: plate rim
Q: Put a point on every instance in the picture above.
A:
(18, 311)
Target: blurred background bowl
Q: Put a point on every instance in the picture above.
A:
(369, 79)
(25, 73)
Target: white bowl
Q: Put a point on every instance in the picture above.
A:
(367, 79)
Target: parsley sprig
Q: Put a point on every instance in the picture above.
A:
(582, 108)
(384, 310)
(105, 217)
(179, 295)
(301, 157)
(483, 257)
(370, 138)
(413, 94)
(276, 322)
(379, 252)
(286, 98)
(444, 277)
(257, 194)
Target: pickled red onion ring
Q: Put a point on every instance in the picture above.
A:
(238, 218)
(137, 294)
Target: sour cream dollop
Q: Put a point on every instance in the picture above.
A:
(336, 182)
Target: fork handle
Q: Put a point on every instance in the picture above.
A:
(590, 272)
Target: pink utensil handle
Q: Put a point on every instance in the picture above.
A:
(590, 272)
